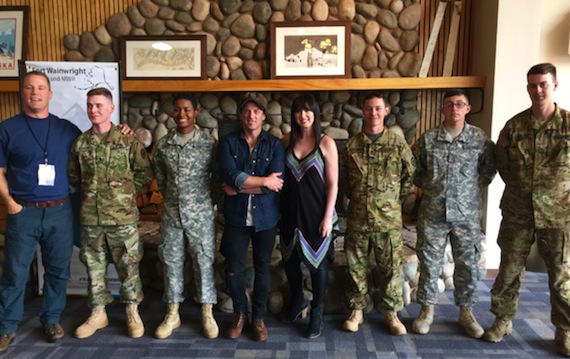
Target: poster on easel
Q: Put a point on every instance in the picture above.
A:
(70, 82)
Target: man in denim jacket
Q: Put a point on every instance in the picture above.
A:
(251, 167)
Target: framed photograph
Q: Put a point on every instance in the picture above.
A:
(13, 39)
(310, 49)
(164, 57)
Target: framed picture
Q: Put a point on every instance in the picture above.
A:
(13, 39)
(164, 57)
(310, 49)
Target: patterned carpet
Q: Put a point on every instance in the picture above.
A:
(532, 337)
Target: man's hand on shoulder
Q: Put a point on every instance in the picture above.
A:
(125, 129)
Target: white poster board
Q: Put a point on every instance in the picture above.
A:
(78, 279)
(70, 82)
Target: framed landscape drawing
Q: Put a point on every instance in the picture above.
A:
(310, 49)
(163, 57)
(13, 39)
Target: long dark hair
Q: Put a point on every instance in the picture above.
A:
(309, 103)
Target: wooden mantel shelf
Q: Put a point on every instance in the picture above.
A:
(9, 86)
(291, 85)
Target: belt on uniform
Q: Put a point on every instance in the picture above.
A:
(45, 204)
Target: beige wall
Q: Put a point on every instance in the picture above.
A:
(554, 32)
(510, 37)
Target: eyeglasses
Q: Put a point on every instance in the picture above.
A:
(450, 105)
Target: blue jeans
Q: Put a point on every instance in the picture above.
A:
(235, 242)
(51, 228)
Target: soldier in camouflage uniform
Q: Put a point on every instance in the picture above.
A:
(109, 169)
(455, 161)
(184, 163)
(533, 159)
(376, 169)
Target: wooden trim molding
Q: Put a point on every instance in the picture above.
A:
(291, 85)
(307, 84)
(9, 86)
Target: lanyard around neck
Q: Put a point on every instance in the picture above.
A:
(44, 147)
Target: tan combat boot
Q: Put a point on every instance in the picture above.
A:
(396, 327)
(134, 322)
(498, 330)
(97, 320)
(424, 320)
(562, 340)
(356, 318)
(209, 325)
(469, 323)
(171, 321)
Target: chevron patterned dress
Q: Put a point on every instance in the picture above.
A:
(303, 201)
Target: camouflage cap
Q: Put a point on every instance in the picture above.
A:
(254, 97)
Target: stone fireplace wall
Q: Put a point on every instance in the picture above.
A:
(384, 44)
(383, 39)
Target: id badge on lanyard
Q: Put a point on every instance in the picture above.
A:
(46, 175)
(46, 172)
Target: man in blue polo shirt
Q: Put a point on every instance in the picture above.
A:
(34, 148)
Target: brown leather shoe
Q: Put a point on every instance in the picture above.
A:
(53, 332)
(259, 330)
(5, 340)
(240, 321)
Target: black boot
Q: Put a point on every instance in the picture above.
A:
(297, 309)
(297, 305)
(316, 323)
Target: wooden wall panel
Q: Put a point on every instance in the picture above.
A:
(50, 20)
(429, 101)
(9, 105)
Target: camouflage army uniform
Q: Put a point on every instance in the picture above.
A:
(108, 174)
(375, 176)
(534, 162)
(184, 176)
(451, 173)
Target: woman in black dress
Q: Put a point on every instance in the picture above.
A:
(308, 215)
